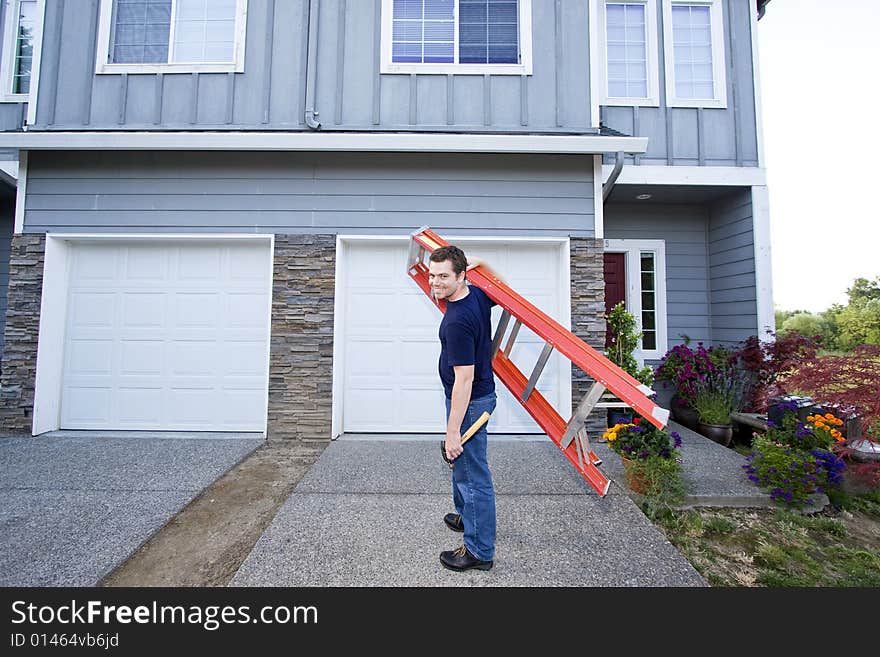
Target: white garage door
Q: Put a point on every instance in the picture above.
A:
(391, 346)
(167, 336)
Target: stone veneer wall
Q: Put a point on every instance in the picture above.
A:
(19, 364)
(587, 316)
(301, 356)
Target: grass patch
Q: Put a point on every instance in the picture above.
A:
(839, 546)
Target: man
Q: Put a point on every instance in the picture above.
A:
(466, 372)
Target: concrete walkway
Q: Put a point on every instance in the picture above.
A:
(74, 505)
(369, 513)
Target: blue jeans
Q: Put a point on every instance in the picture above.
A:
(472, 489)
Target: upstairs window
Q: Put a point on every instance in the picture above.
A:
(167, 35)
(21, 23)
(694, 53)
(456, 36)
(630, 49)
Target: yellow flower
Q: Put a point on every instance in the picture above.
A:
(612, 436)
(829, 416)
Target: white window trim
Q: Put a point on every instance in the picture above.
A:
(716, 13)
(102, 56)
(653, 98)
(10, 26)
(633, 249)
(525, 49)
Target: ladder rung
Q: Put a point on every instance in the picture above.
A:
(586, 405)
(499, 332)
(513, 333)
(536, 373)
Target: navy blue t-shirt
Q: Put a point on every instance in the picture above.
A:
(466, 339)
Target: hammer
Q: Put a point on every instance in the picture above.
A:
(465, 437)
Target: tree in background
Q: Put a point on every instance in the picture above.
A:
(859, 321)
(840, 327)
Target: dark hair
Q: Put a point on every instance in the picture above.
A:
(454, 255)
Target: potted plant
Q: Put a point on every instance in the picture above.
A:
(716, 395)
(650, 462)
(624, 341)
(683, 368)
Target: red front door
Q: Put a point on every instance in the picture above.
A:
(615, 284)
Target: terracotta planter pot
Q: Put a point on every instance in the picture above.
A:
(634, 478)
(720, 433)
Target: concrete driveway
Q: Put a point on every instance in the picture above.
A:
(369, 513)
(75, 505)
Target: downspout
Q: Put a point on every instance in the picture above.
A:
(615, 173)
(312, 67)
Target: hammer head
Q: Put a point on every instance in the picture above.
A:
(443, 454)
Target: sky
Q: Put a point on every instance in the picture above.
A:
(819, 69)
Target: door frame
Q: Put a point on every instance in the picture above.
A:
(53, 312)
(345, 242)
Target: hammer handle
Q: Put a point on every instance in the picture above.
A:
(475, 427)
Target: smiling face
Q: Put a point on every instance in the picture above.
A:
(444, 283)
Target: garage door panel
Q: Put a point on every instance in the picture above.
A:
(198, 263)
(241, 407)
(371, 310)
(242, 358)
(178, 340)
(89, 309)
(417, 309)
(146, 263)
(419, 357)
(192, 406)
(422, 409)
(246, 310)
(193, 358)
(86, 406)
(143, 310)
(196, 309)
(371, 357)
(141, 357)
(90, 356)
(95, 263)
(371, 409)
(138, 405)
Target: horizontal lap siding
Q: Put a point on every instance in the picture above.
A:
(732, 269)
(308, 192)
(683, 228)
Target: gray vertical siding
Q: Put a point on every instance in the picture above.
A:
(350, 91)
(7, 221)
(12, 115)
(308, 193)
(683, 227)
(696, 136)
(732, 288)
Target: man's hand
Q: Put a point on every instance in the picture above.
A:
(474, 262)
(453, 445)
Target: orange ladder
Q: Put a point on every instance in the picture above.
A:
(571, 436)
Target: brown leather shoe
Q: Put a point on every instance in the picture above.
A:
(453, 521)
(461, 559)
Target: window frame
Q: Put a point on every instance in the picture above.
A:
(387, 66)
(7, 56)
(719, 59)
(653, 56)
(105, 28)
(633, 249)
